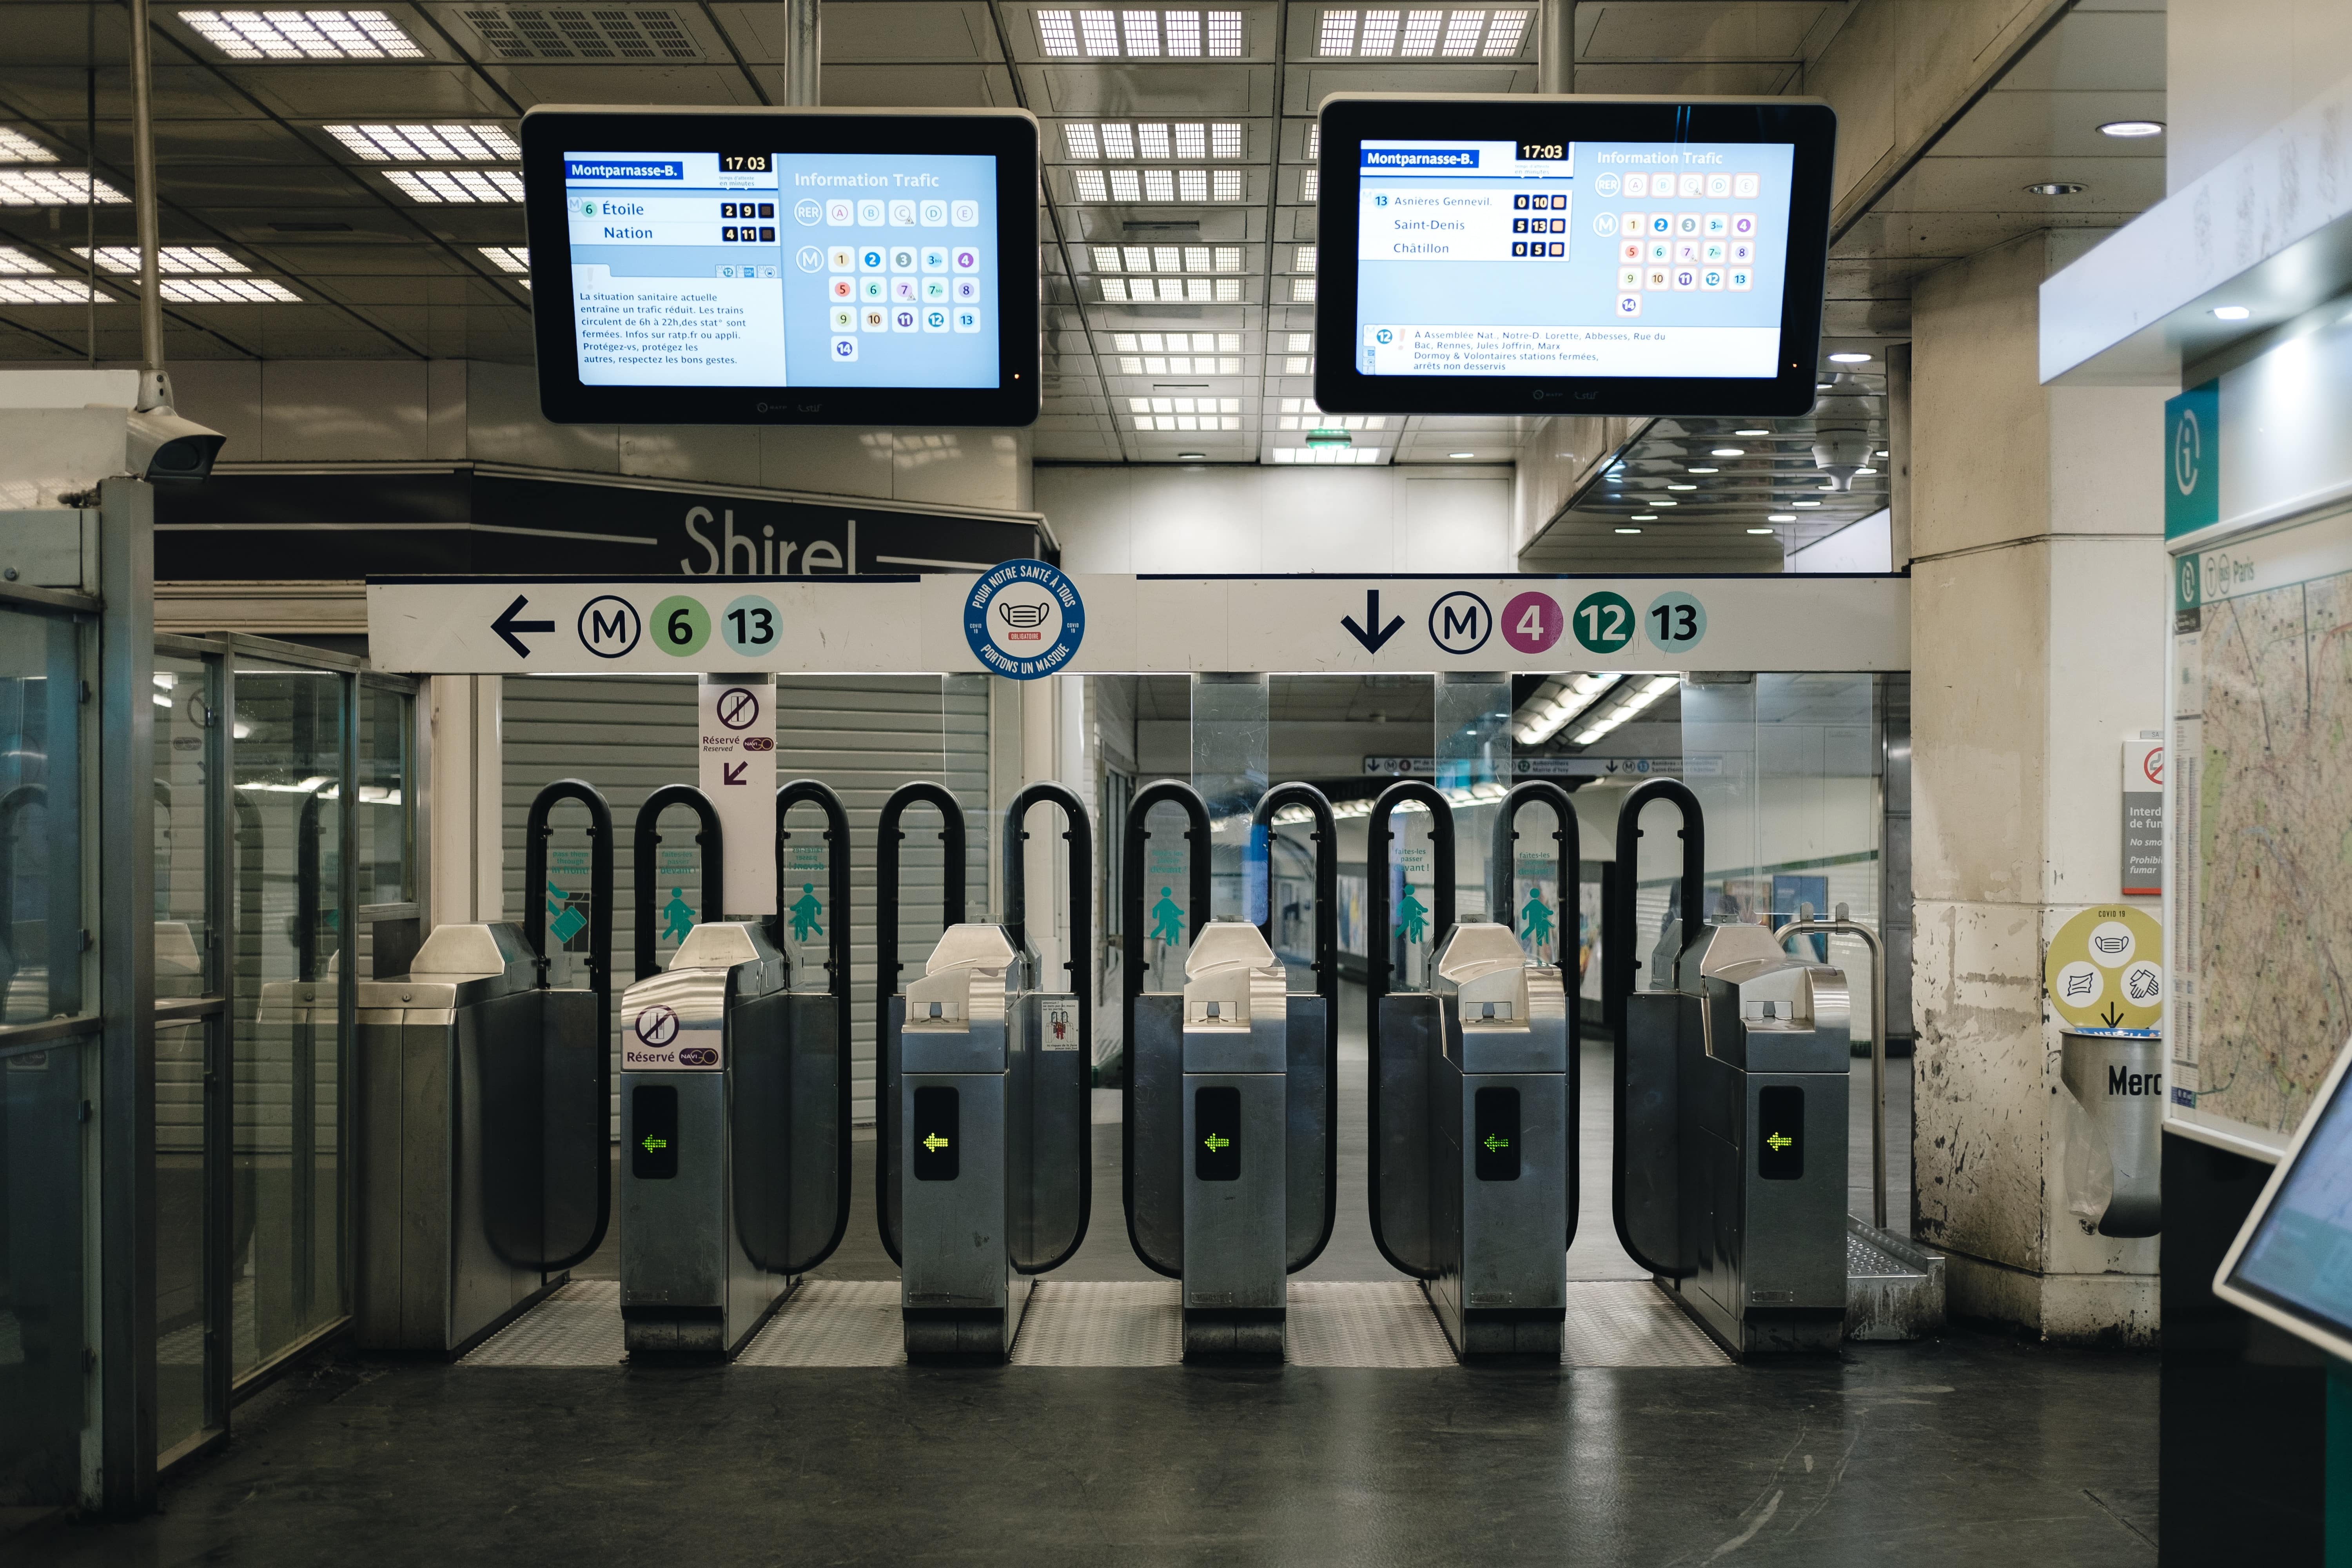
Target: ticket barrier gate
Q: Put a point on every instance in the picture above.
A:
(734, 1106)
(985, 1083)
(1230, 1093)
(1472, 1101)
(484, 1164)
(1729, 1179)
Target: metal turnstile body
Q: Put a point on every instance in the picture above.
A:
(1475, 1142)
(729, 1086)
(1214, 1141)
(1736, 1140)
(992, 1118)
(482, 1143)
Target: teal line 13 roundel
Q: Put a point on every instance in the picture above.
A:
(1024, 619)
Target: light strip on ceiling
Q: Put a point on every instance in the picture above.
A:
(1355, 457)
(1152, 139)
(508, 258)
(428, 143)
(1421, 32)
(1176, 342)
(1173, 290)
(304, 35)
(54, 188)
(182, 258)
(1138, 32)
(228, 291)
(16, 147)
(19, 290)
(1166, 257)
(1630, 700)
(1140, 185)
(432, 187)
(1559, 701)
(1180, 364)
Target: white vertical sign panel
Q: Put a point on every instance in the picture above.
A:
(736, 735)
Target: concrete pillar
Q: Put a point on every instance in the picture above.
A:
(2038, 628)
(465, 852)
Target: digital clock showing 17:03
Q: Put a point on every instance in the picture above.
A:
(1541, 151)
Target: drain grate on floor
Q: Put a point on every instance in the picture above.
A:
(1632, 1323)
(832, 1322)
(1103, 1324)
(579, 1325)
(1380, 1324)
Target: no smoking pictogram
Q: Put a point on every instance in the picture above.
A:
(738, 708)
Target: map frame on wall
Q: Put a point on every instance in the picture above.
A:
(2258, 918)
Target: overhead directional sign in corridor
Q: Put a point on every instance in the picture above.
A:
(1028, 619)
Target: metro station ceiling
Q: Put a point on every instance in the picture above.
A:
(345, 188)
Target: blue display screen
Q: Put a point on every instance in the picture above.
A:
(1586, 259)
(783, 269)
(2301, 1254)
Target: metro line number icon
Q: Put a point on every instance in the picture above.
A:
(610, 627)
(1461, 622)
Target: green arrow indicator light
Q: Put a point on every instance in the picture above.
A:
(654, 1144)
(935, 1142)
(1778, 1140)
(1496, 1144)
(1215, 1143)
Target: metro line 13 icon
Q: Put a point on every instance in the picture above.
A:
(1023, 619)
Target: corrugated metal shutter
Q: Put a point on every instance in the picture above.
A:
(864, 736)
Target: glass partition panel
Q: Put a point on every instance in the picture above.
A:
(1229, 769)
(40, 820)
(1473, 740)
(287, 1253)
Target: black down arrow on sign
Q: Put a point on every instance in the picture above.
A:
(1373, 641)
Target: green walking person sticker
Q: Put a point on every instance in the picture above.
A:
(1413, 916)
(1538, 916)
(805, 911)
(1167, 920)
(677, 916)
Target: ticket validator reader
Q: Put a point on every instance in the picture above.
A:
(1472, 1099)
(985, 1081)
(1230, 1092)
(1729, 1178)
(485, 1166)
(734, 1105)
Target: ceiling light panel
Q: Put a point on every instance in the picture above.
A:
(1134, 187)
(458, 187)
(304, 35)
(621, 34)
(20, 291)
(508, 258)
(1132, 33)
(228, 291)
(1166, 257)
(16, 147)
(1173, 290)
(1087, 141)
(1383, 32)
(179, 258)
(428, 143)
(54, 188)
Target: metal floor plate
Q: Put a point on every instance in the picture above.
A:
(1380, 1324)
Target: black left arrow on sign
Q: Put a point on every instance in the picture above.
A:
(506, 626)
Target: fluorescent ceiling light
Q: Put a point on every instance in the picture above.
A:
(428, 143)
(16, 147)
(458, 187)
(508, 258)
(1744, 433)
(1706, 470)
(1682, 486)
(22, 290)
(1559, 701)
(1136, 34)
(1759, 531)
(1646, 516)
(1118, 141)
(174, 259)
(2132, 129)
(1166, 257)
(1629, 531)
(1849, 359)
(1388, 32)
(1192, 457)
(54, 188)
(1860, 473)
(2231, 312)
(1309, 183)
(1663, 501)
(1804, 503)
(1779, 517)
(1131, 185)
(228, 291)
(304, 35)
(1461, 454)
(1730, 451)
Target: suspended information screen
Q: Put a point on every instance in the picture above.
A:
(783, 266)
(1586, 255)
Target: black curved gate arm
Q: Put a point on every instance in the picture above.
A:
(1166, 792)
(1377, 975)
(836, 972)
(537, 830)
(1326, 962)
(887, 839)
(714, 874)
(1503, 897)
(1078, 830)
(1618, 963)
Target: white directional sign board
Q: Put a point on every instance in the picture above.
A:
(736, 740)
(1026, 619)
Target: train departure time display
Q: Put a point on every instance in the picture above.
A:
(791, 267)
(1619, 256)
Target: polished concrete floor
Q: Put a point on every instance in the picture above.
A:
(1972, 1449)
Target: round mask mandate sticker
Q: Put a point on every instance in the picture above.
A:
(1024, 620)
(2105, 968)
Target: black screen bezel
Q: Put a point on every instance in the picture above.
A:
(2266, 1214)
(1347, 119)
(1011, 135)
